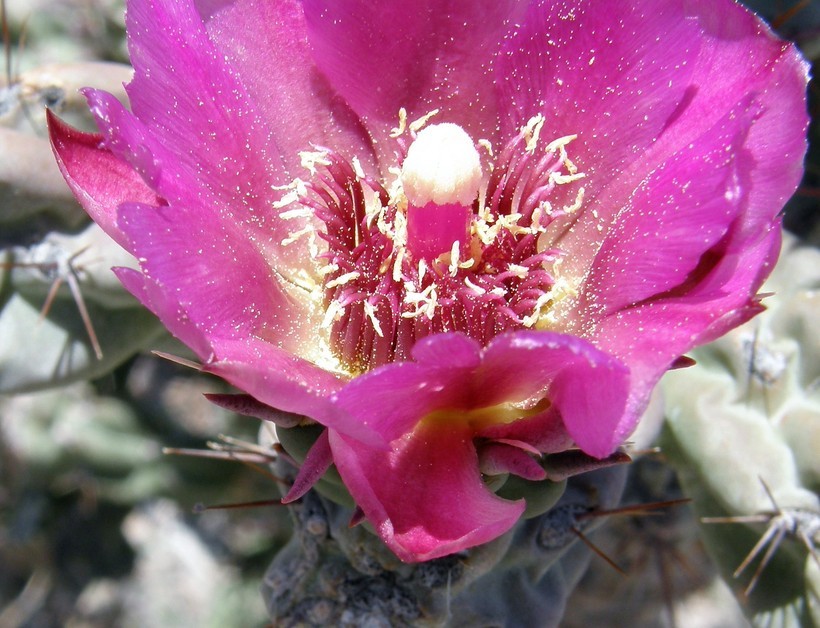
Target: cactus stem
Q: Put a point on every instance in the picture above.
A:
(64, 271)
(799, 523)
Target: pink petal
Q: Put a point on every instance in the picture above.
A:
(179, 184)
(131, 141)
(588, 387)
(316, 463)
(519, 444)
(671, 326)
(392, 399)
(516, 368)
(194, 132)
(710, 254)
(421, 516)
(284, 381)
(420, 55)
(189, 95)
(222, 282)
(544, 432)
(670, 72)
(450, 350)
(637, 56)
(673, 219)
(271, 375)
(498, 458)
(167, 309)
(98, 179)
(265, 43)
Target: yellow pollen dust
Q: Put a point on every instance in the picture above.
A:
(442, 166)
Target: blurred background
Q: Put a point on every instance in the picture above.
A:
(98, 527)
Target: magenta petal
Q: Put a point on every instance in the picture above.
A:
(392, 399)
(265, 43)
(497, 458)
(592, 398)
(283, 381)
(421, 516)
(316, 463)
(222, 282)
(545, 432)
(714, 257)
(672, 325)
(447, 350)
(587, 386)
(190, 96)
(213, 145)
(519, 444)
(99, 180)
(167, 309)
(130, 140)
(185, 185)
(637, 55)
(418, 55)
(654, 244)
(516, 368)
(671, 71)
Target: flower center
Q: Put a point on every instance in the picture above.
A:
(442, 247)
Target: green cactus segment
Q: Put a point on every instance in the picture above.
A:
(540, 496)
(64, 316)
(54, 264)
(39, 353)
(332, 574)
(782, 592)
(71, 433)
(731, 448)
(746, 446)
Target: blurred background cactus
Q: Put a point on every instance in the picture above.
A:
(96, 524)
(747, 447)
(64, 315)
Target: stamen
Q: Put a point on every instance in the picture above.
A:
(340, 281)
(311, 159)
(399, 130)
(437, 247)
(532, 130)
(421, 122)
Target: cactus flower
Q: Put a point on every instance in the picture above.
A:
(459, 235)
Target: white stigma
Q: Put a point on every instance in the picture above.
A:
(442, 166)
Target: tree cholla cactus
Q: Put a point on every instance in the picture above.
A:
(334, 574)
(747, 442)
